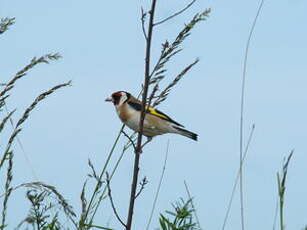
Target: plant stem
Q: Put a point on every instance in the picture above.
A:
(144, 97)
(281, 212)
(242, 112)
(89, 207)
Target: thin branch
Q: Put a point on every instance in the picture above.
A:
(143, 22)
(98, 184)
(100, 198)
(242, 113)
(130, 139)
(175, 14)
(147, 73)
(142, 183)
(159, 187)
(237, 177)
(193, 207)
(94, 174)
(146, 142)
(111, 200)
(141, 123)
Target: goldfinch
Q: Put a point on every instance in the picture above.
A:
(129, 108)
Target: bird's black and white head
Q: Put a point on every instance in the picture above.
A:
(118, 98)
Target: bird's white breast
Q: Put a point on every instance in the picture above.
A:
(151, 127)
(130, 117)
(133, 121)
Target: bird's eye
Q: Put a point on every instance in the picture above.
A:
(116, 97)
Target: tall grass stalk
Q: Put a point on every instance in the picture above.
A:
(25, 116)
(242, 112)
(275, 215)
(8, 153)
(192, 204)
(238, 177)
(5, 23)
(8, 189)
(91, 204)
(281, 182)
(125, 148)
(158, 188)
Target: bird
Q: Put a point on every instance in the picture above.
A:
(129, 108)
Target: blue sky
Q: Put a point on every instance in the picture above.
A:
(103, 51)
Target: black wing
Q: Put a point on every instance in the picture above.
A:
(154, 112)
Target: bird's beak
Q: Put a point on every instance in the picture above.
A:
(108, 99)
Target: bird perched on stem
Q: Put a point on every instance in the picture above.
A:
(156, 123)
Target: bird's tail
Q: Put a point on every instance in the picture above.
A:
(186, 133)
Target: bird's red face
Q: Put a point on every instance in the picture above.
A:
(116, 97)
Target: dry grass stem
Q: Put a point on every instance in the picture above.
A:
(41, 97)
(35, 61)
(143, 183)
(94, 174)
(5, 119)
(26, 115)
(67, 208)
(238, 177)
(130, 139)
(40, 186)
(102, 195)
(83, 204)
(2, 100)
(143, 18)
(112, 202)
(281, 181)
(95, 199)
(8, 189)
(159, 187)
(168, 51)
(163, 95)
(175, 14)
(192, 204)
(275, 215)
(242, 112)
(5, 23)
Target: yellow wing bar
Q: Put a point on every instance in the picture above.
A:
(157, 113)
(153, 111)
